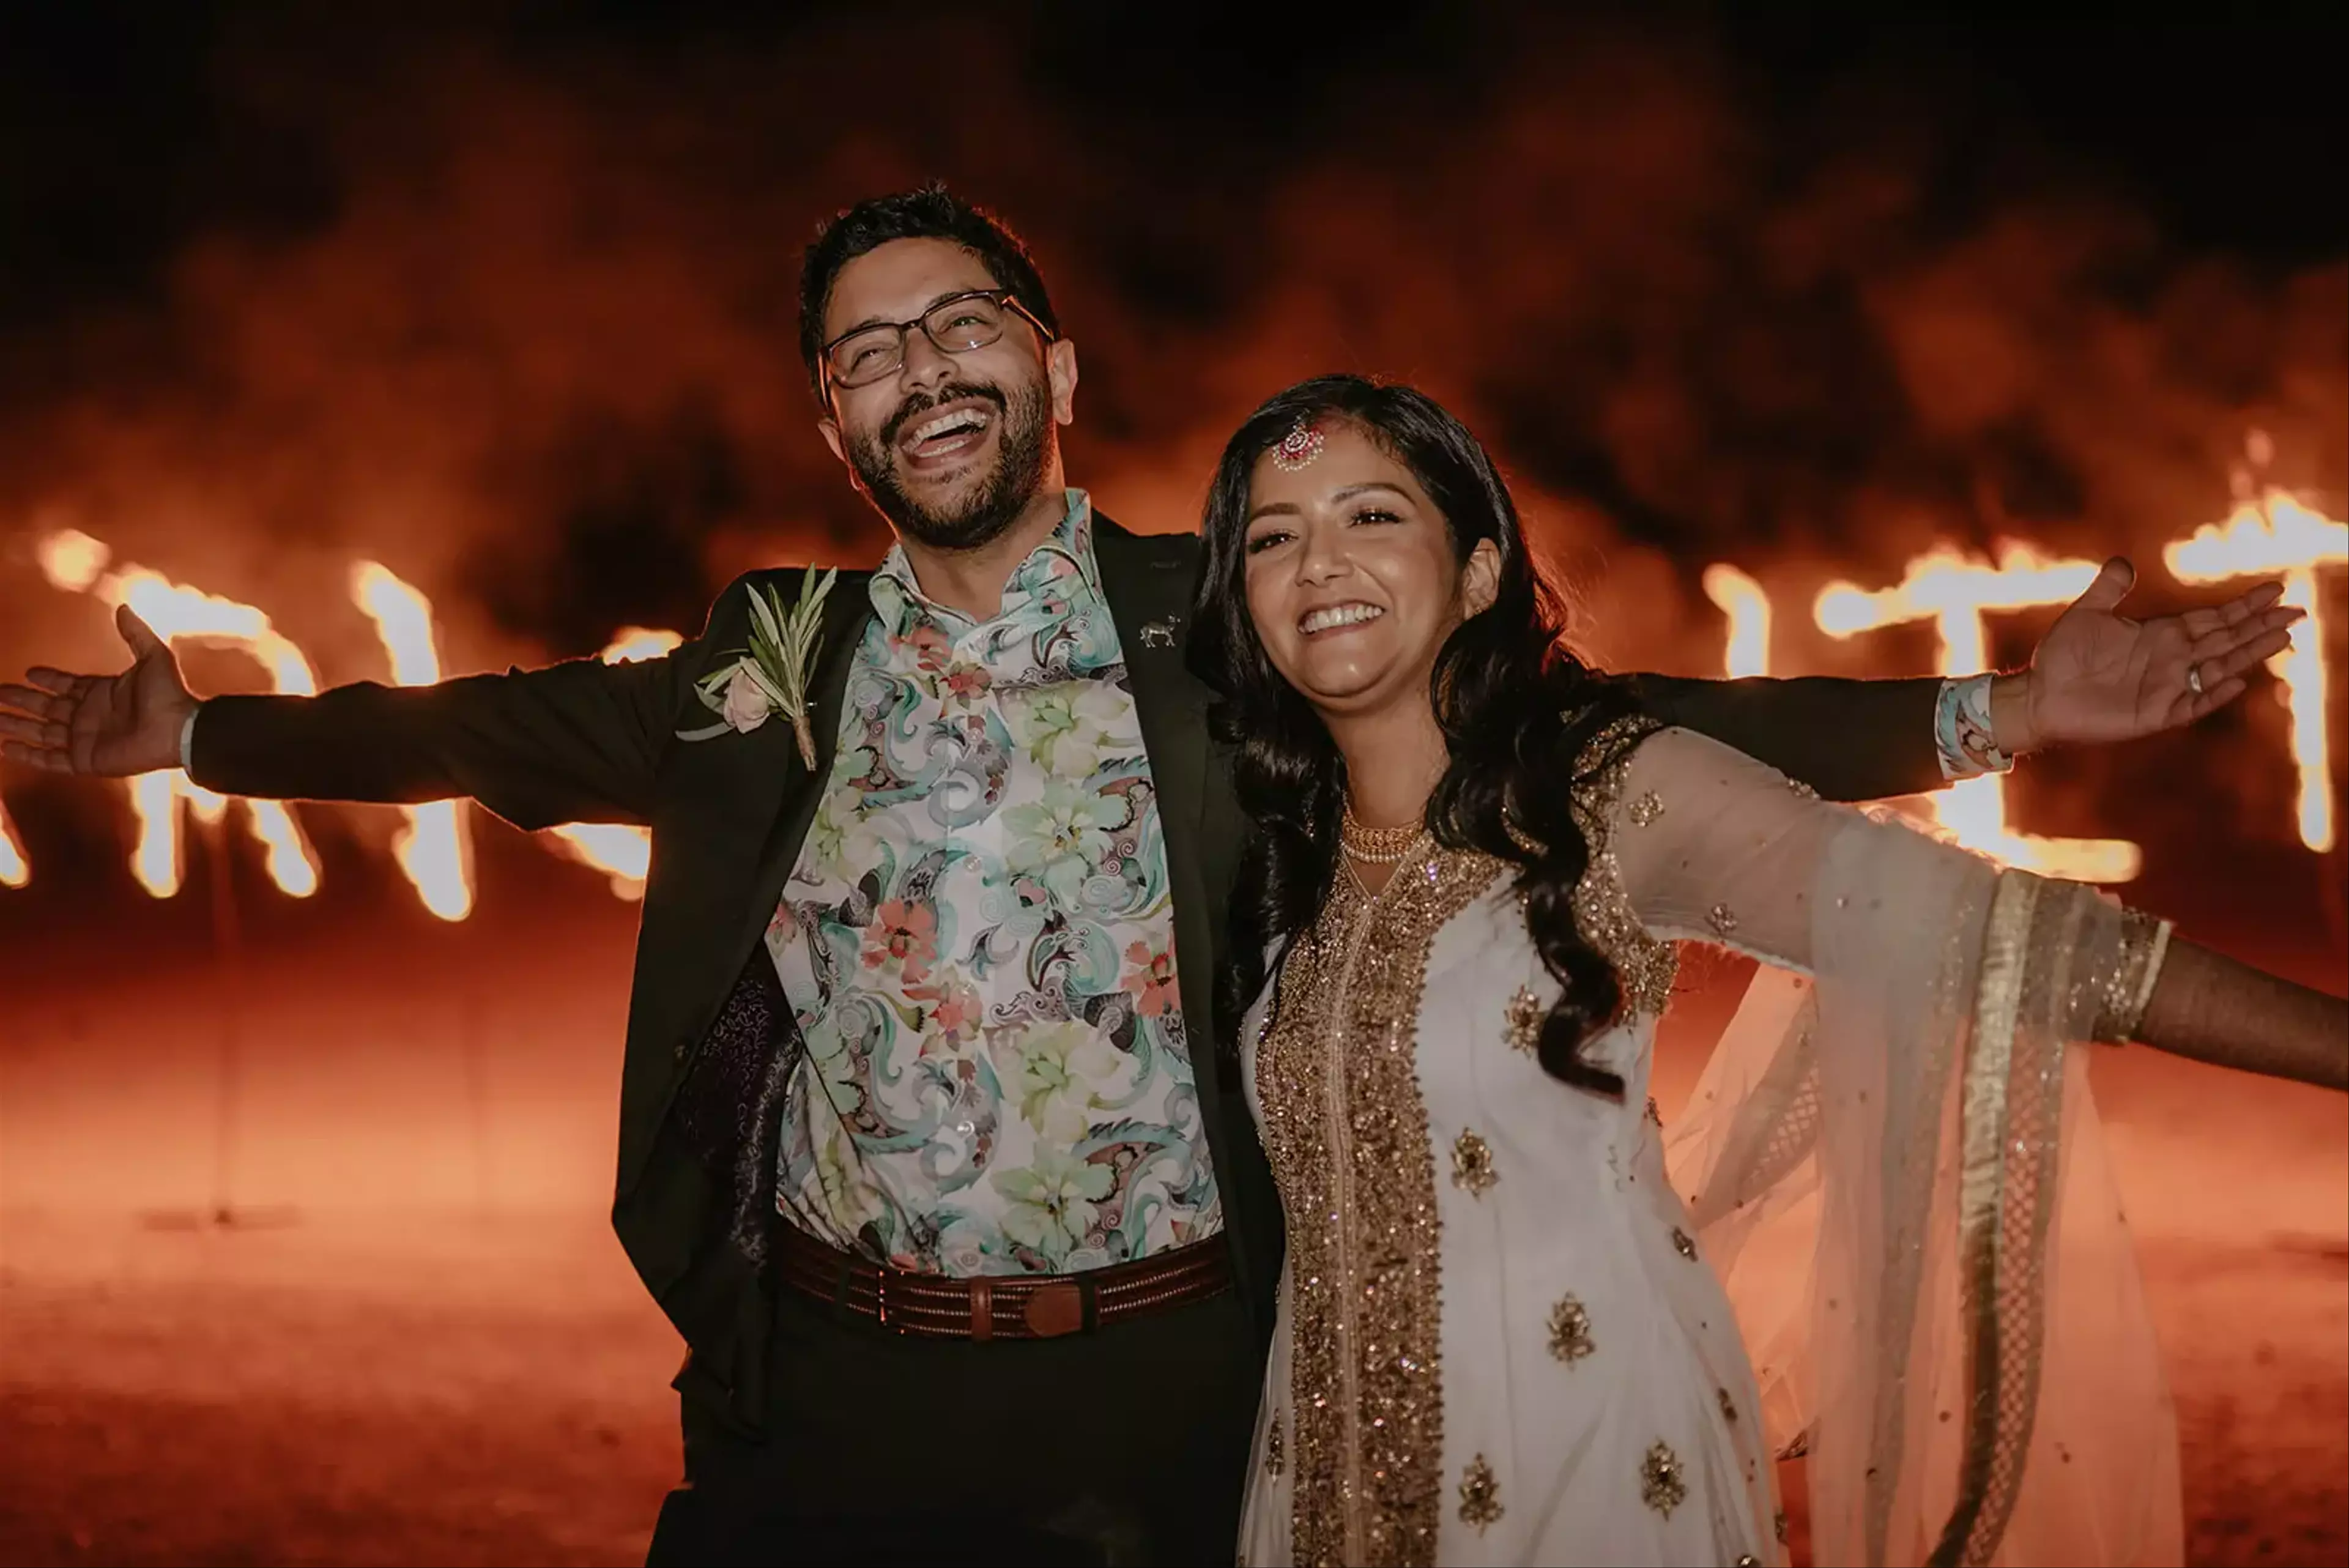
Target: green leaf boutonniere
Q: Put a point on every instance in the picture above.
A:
(770, 676)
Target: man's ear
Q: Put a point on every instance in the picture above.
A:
(1480, 579)
(1060, 367)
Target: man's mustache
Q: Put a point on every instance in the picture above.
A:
(920, 403)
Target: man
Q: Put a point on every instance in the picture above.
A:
(924, 1146)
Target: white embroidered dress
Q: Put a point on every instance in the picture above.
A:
(1501, 1339)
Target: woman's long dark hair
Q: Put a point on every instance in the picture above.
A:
(1517, 708)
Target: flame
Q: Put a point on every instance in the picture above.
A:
(70, 560)
(15, 870)
(622, 852)
(433, 848)
(633, 644)
(1741, 598)
(1955, 590)
(2269, 533)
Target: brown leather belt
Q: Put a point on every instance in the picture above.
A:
(1003, 1307)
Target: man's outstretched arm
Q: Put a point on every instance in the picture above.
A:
(576, 741)
(2097, 676)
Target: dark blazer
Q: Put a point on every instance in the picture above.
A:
(710, 1039)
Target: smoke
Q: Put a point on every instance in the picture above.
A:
(512, 313)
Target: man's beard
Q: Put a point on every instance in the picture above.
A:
(1022, 449)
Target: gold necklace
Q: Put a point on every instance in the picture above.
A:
(1377, 846)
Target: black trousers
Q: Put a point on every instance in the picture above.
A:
(1126, 1445)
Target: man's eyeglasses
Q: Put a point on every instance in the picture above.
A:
(956, 324)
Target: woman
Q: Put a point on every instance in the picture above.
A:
(1499, 1337)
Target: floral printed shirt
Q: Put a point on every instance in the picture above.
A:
(979, 944)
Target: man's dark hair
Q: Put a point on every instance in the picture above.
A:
(931, 212)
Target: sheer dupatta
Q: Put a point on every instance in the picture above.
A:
(1894, 1160)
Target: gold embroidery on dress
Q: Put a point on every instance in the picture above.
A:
(1525, 1018)
(1796, 787)
(1778, 1526)
(1471, 1165)
(1722, 919)
(1682, 1244)
(1570, 1330)
(1654, 1115)
(1660, 1485)
(1346, 1130)
(1480, 1495)
(1728, 1408)
(1602, 910)
(1274, 1463)
(1645, 809)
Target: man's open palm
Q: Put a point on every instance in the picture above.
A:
(2099, 676)
(110, 725)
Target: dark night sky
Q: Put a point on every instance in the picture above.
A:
(193, 197)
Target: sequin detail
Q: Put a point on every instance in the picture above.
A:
(1570, 1330)
(1798, 787)
(1654, 1115)
(1778, 1526)
(1524, 1018)
(1722, 919)
(1480, 1495)
(1645, 809)
(1275, 1461)
(1662, 1486)
(1471, 1165)
(1682, 1244)
(1747, 1560)
(1728, 1407)
(1346, 1130)
(1602, 909)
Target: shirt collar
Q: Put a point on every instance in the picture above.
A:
(898, 599)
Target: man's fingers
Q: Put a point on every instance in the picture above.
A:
(62, 682)
(2114, 580)
(36, 757)
(39, 705)
(136, 632)
(2251, 601)
(36, 731)
(2235, 660)
(2213, 698)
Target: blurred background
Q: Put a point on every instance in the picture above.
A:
(388, 343)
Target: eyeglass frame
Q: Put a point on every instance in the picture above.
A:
(1003, 297)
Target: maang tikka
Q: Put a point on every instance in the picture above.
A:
(1299, 448)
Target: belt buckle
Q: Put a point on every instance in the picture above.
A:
(1055, 1308)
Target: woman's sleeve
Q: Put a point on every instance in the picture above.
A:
(1964, 1348)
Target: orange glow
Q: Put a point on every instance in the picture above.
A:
(1741, 598)
(72, 559)
(621, 852)
(15, 870)
(2276, 534)
(633, 644)
(183, 613)
(434, 848)
(1955, 590)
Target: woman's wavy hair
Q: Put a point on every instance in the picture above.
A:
(1517, 708)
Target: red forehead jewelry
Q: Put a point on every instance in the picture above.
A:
(1299, 448)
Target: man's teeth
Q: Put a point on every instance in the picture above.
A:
(948, 424)
(1339, 615)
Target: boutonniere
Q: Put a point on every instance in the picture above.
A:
(771, 675)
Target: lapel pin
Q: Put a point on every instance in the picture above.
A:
(1159, 633)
